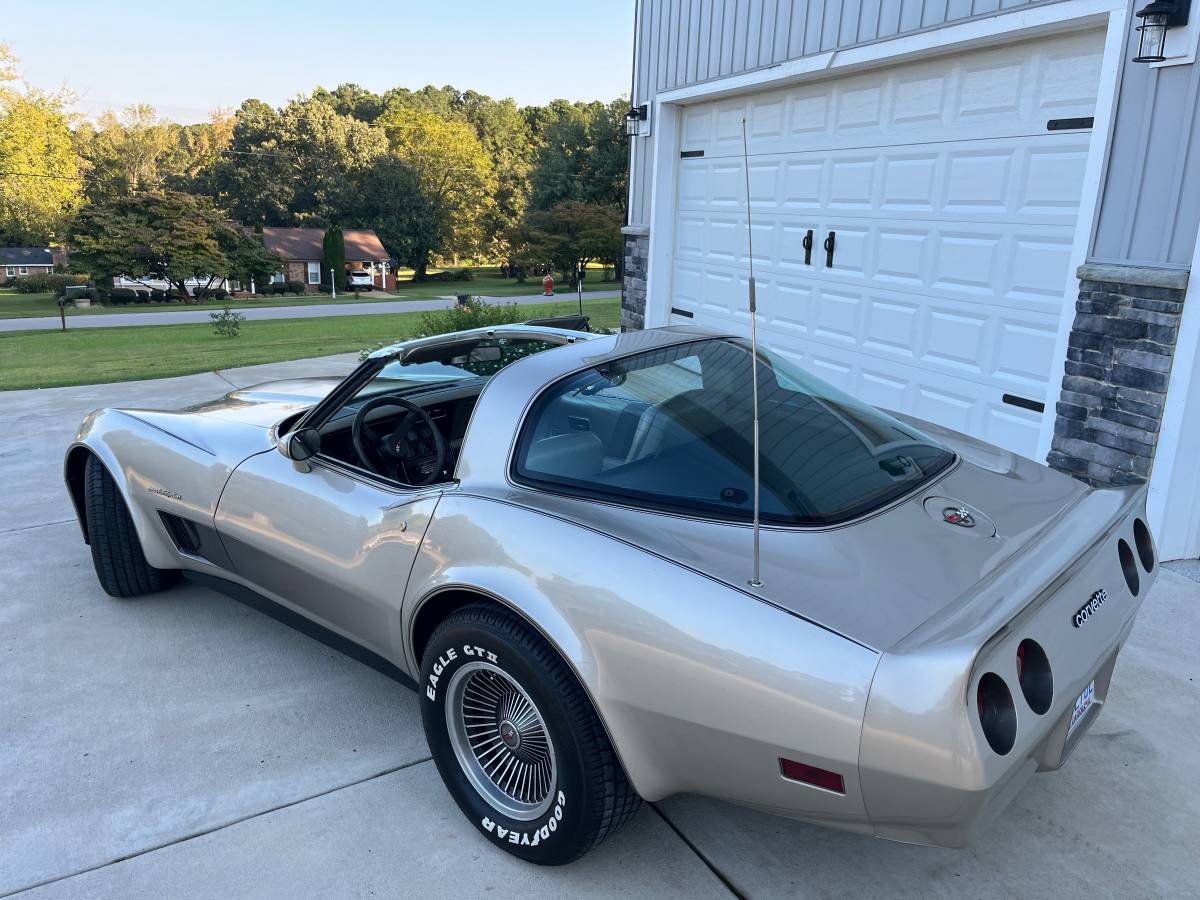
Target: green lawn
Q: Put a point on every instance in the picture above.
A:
(487, 283)
(38, 359)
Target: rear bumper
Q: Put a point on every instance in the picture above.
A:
(928, 772)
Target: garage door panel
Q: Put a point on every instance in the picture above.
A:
(1022, 348)
(1008, 180)
(954, 211)
(1006, 91)
(940, 396)
(994, 351)
(1023, 270)
(892, 327)
(956, 340)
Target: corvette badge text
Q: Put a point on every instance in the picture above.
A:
(1088, 609)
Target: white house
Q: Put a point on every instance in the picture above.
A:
(980, 213)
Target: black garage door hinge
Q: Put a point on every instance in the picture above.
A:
(690, 154)
(1070, 124)
(1024, 403)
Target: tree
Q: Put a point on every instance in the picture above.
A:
(335, 257)
(164, 235)
(8, 72)
(455, 180)
(248, 260)
(353, 100)
(299, 166)
(40, 185)
(392, 204)
(123, 154)
(582, 153)
(569, 234)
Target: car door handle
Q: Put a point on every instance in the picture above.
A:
(830, 243)
(807, 243)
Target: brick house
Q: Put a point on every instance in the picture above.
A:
(303, 253)
(18, 261)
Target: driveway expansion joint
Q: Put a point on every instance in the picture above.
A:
(215, 828)
(708, 863)
(21, 528)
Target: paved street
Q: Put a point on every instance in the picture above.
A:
(185, 316)
(184, 745)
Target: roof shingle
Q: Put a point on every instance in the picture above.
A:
(25, 256)
(362, 244)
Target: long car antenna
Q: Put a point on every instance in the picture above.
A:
(755, 581)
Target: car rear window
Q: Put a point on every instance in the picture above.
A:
(672, 429)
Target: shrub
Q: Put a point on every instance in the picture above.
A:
(475, 313)
(142, 296)
(46, 283)
(456, 275)
(158, 295)
(227, 323)
(121, 296)
(220, 293)
(295, 287)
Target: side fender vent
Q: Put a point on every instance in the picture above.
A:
(184, 534)
(196, 540)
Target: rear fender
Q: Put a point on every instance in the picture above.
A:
(701, 687)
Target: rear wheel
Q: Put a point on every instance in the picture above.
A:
(516, 739)
(117, 553)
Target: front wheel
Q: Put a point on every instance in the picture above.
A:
(117, 555)
(516, 739)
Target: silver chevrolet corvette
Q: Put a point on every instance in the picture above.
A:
(550, 534)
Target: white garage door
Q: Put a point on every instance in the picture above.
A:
(953, 208)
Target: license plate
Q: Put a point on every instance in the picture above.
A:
(1082, 704)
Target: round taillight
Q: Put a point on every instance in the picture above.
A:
(1144, 541)
(1033, 674)
(1128, 567)
(997, 715)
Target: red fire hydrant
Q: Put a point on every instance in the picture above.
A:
(548, 286)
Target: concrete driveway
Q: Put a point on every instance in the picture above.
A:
(185, 745)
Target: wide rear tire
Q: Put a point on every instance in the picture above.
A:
(496, 697)
(121, 565)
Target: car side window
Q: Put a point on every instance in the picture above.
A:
(672, 429)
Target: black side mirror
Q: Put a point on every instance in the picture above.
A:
(303, 444)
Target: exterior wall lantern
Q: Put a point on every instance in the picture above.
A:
(1157, 17)
(637, 115)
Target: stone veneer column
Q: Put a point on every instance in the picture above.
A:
(1118, 365)
(633, 284)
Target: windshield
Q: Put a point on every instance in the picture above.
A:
(673, 428)
(455, 361)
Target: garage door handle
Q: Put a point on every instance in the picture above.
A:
(807, 245)
(829, 245)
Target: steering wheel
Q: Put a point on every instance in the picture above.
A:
(415, 446)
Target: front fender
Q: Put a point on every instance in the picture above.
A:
(701, 687)
(155, 471)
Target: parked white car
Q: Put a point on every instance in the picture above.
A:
(359, 280)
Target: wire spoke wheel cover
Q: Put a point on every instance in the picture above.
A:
(501, 741)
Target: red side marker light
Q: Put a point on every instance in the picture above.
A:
(822, 778)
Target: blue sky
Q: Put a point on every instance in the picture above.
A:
(189, 56)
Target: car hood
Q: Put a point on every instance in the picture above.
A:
(879, 578)
(238, 423)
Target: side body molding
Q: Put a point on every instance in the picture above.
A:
(701, 688)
